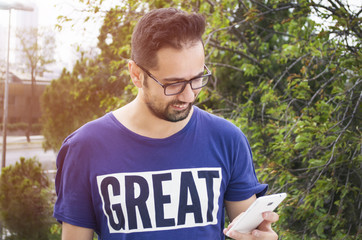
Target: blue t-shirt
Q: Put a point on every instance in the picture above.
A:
(127, 186)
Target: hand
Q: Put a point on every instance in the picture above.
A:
(264, 230)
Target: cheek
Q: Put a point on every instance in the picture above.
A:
(152, 90)
(197, 92)
(157, 97)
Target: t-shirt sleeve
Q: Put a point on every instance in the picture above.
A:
(243, 181)
(72, 184)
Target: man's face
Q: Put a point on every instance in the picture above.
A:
(174, 66)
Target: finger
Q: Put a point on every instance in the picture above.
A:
(240, 236)
(229, 226)
(232, 223)
(271, 217)
(258, 235)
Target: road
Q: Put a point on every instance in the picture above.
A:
(17, 147)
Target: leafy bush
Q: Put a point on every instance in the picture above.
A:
(25, 201)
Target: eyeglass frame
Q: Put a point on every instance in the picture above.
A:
(164, 86)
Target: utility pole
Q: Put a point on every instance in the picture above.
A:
(8, 5)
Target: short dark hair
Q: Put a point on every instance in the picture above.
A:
(165, 27)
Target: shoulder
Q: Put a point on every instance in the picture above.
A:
(217, 124)
(83, 144)
(91, 131)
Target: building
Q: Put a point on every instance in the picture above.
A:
(20, 98)
(20, 89)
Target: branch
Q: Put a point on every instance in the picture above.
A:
(320, 89)
(309, 103)
(291, 5)
(319, 75)
(276, 32)
(348, 16)
(238, 52)
(225, 99)
(288, 68)
(347, 108)
(226, 65)
(335, 143)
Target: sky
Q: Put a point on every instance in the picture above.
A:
(69, 38)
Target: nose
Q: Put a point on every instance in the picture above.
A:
(187, 95)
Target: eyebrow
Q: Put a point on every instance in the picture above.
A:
(183, 79)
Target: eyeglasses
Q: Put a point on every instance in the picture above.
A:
(178, 87)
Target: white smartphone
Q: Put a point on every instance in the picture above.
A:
(252, 218)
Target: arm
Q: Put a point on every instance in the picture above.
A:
(233, 209)
(264, 231)
(71, 232)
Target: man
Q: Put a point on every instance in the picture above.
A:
(159, 167)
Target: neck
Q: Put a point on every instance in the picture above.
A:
(137, 117)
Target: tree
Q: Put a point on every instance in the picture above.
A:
(294, 87)
(37, 49)
(95, 86)
(76, 98)
(25, 205)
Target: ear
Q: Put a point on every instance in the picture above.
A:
(136, 73)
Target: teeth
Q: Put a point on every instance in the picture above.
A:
(180, 106)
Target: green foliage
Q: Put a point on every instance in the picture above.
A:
(78, 97)
(296, 94)
(25, 206)
(291, 84)
(95, 86)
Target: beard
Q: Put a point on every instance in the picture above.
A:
(168, 113)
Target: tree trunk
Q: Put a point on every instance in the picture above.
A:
(31, 103)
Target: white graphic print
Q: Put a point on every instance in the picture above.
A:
(160, 200)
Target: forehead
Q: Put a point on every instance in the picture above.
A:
(182, 63)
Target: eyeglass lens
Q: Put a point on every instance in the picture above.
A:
(176, 88)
